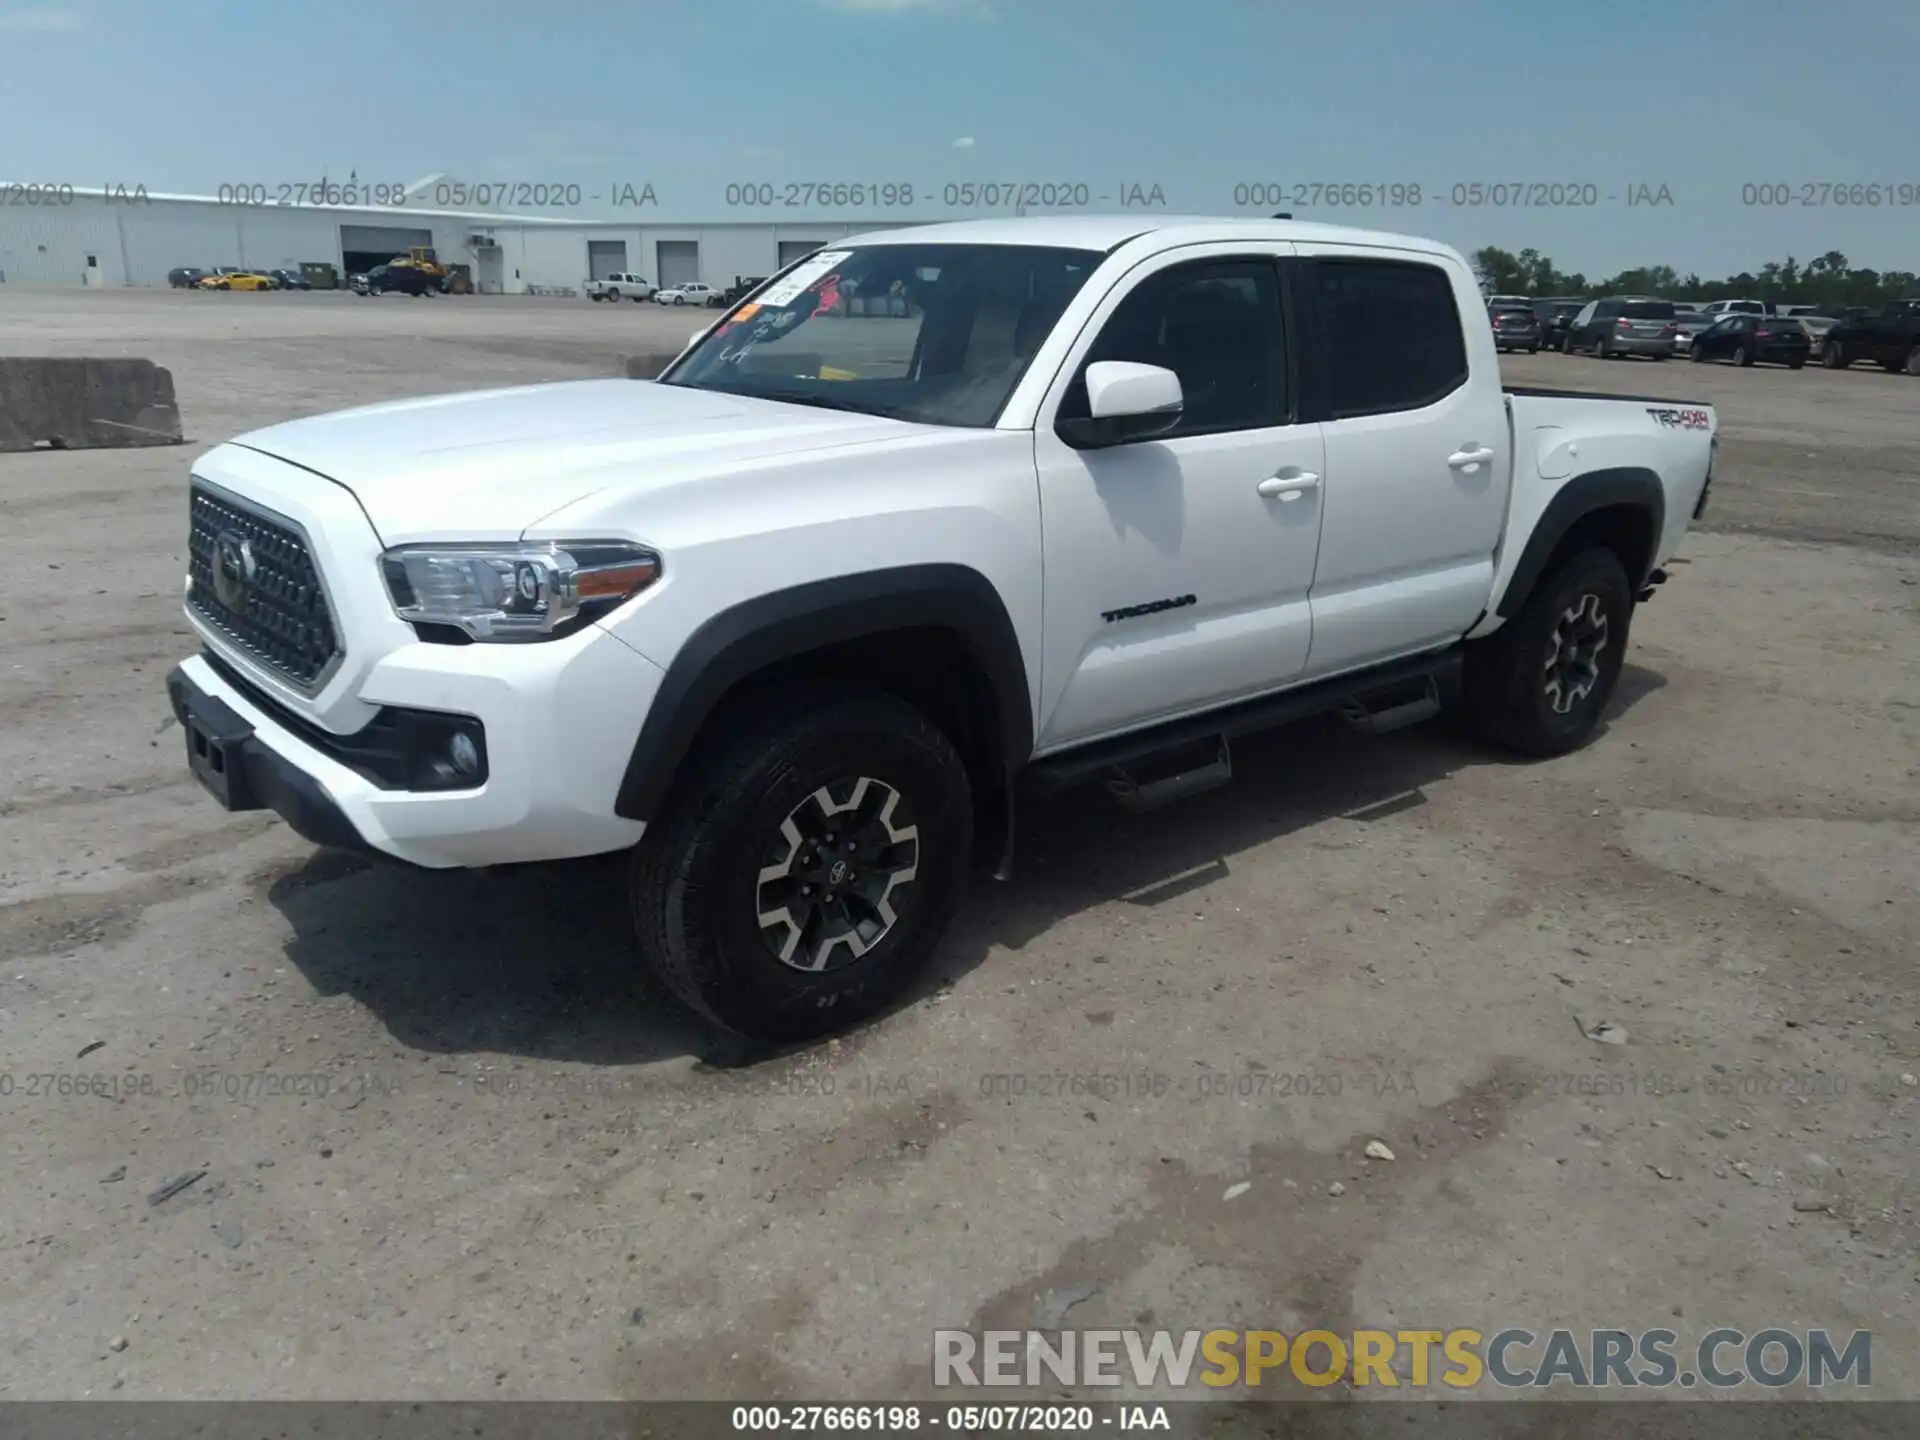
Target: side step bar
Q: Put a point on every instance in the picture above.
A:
(1185, 757)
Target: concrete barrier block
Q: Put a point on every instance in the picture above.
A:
(86, 404)
(648, 366)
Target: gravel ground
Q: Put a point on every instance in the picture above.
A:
(529, 1178)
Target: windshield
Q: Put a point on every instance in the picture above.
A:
(933, 333)
(1647, 309)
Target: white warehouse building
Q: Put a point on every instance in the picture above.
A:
(79, 236)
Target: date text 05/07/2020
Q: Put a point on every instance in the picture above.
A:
(954, 195)
(1461, 194)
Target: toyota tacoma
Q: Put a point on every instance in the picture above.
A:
(796, 624)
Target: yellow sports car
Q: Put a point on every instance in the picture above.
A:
(235, 280)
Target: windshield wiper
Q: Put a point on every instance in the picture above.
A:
(820, 402)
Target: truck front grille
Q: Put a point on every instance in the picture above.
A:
(254, 581)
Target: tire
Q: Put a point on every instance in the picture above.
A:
(1743, 357)
(1600, 350)
(1696, 354)
(701, 876)
(1834, 356)
(1797, 362)
(1511, 699)
(1533, 349)
(1913, 361)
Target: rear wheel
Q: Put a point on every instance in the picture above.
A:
(1742, 356)
(804, 878)
(1913, 361)
(1539, 684)
(1834, 355)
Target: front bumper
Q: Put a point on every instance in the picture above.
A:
(560, 721)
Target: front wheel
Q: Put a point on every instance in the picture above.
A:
(803, 877)
(1834, 356)
(1539, 684)
(1913, 361)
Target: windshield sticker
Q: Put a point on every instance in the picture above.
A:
(786, 291)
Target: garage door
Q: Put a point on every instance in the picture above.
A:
(792, 250)
(679, 262)
(364, 246)
(606, 257)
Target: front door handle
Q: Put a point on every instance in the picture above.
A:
(1288, 487)
(1467, 459)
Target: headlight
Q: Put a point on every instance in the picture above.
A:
(515, 592)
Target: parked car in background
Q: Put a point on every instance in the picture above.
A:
(371, 282)
(357, 283)
(186, 277)
(404, 280)
(1686, 325)
(622, 285)
(284, 279)
(1554, 316)
(235, 280)
(1816, 327)
(742, 286)
(1717, 308)
(1623, 325)
(1515, 327)
(690, 294)
(1892, 338)
(1747, 339)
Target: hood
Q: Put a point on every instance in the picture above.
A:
(488, 464)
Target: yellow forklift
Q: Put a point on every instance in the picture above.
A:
(448, 279)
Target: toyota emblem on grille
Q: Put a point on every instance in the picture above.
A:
(233, 569)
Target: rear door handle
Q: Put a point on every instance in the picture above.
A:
(1289, 487)
(1467, 459)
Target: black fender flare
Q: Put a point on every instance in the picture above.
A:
(1628, 485)
(747, 638)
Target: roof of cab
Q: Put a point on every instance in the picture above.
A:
(1108, 232)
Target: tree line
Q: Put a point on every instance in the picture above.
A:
(1828, 281)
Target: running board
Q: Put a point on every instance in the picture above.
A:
(1193, 770)
(1395, 708)
(1133, 753)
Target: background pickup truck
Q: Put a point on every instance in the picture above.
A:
(623, 286)
(798, 625)
(1892, 337)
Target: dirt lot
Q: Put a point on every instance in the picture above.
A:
(526, 1180)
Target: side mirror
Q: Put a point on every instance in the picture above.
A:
(1125, 402)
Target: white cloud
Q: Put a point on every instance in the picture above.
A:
(40, 22)
(965, 142)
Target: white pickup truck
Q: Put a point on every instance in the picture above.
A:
(797, 623)
(621, 286)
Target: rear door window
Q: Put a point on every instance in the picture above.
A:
(1391, 333)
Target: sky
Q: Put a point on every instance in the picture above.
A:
(1728, 106)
